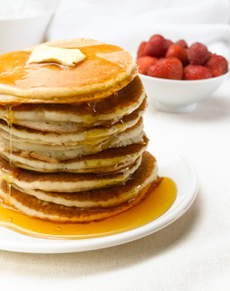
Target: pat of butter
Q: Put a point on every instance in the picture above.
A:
(65, 57)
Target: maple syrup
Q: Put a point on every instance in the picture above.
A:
(9, 118)
(155, 204)
(25, 77)
(57, 81)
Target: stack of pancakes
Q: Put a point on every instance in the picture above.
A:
(72, 145)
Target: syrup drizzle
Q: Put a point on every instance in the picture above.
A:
(155, 204)
(28, 78)
(9, 120)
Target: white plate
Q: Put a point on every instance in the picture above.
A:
(172, 164)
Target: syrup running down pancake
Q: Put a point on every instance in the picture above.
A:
(72, 140)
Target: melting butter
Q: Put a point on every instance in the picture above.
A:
(65, 57)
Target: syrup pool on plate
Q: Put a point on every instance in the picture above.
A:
(154, 205)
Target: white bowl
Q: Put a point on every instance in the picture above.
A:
(180, 96)
(23, 23)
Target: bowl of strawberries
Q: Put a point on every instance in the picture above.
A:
(176, 75)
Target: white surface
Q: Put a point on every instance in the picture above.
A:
(180, 96)
(172, 164)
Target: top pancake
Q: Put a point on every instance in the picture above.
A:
(105, 70)
(108, 110)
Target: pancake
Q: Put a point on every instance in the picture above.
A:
(99, 197)
(72, 140)
(88, 135)
(52, 116)
(56, 153)
(105, 70)
(121, 197)
(68, 182)
(110, 160)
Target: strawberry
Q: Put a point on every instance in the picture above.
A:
(168, 43)
(198, 54)
(177, 51)
(192, 72)
(141, 49)
(170, 68)
(217, 64)
(182, 43)
(156, 46)
(144, 63)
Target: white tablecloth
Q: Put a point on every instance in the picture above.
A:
(193, 253)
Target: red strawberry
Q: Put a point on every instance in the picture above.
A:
(168, 42)
(192, 72)
(141, 49)
(144, 63)
(198, 54)
(217, 64)
(156, 46)
(177, 51)
(170, 68)
(182, 43)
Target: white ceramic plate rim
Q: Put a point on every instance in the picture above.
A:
(171, 163)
